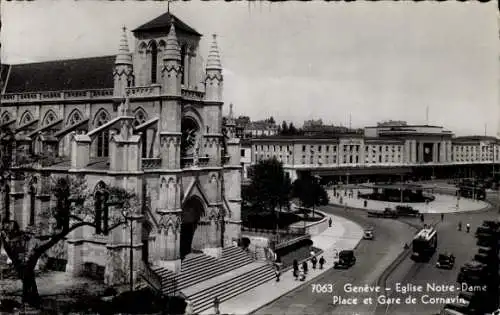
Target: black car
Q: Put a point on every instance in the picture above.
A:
(445, 261)
(346, 259)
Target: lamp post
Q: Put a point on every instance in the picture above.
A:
(128, 217)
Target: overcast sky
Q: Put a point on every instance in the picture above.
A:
(372, 60)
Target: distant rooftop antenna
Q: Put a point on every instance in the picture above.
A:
(350, 121)
(427, 115)
(485, 128)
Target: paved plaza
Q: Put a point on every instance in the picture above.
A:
(442, 203)
(344, 234)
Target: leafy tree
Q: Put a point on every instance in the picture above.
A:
(73, 209)
(269, 186)
(284, 128)
(271, 120)
(291, 129)
(310, 192)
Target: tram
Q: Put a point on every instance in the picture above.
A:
(424, 244)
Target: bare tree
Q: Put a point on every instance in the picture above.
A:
(74, 208)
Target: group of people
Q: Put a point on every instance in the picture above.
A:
(300, 274)
(467, 226)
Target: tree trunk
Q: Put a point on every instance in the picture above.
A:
(30, 289)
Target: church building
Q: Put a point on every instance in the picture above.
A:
(148, 120)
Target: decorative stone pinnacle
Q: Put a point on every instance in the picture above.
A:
(213, 61)
(172, 49)
(123, 57)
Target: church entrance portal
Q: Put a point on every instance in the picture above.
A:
(191, 214)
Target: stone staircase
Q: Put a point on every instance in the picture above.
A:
(197, 268)
(237, 284)
(202, 278)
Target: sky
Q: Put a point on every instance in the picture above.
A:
(352, 63)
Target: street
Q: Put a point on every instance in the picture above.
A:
(459, 243)
(372, 259)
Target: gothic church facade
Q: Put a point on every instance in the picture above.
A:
(139, 120)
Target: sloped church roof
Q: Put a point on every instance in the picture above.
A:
(75, 74)
(163, 23)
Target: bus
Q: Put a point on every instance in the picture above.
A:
(424, 244)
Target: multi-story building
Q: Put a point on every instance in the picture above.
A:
(137, 120)
(397, 149)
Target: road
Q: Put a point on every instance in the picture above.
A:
(460, 243)
(373, 257)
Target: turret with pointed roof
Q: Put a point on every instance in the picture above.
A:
(172, 69)
(213, 78)
(123, 73)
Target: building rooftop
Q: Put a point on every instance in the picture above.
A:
(59, 75)
(163, 23)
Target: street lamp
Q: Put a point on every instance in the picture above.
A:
(128, 217)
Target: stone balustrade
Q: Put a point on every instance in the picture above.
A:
(57, 96)
(151, 163)
(141, 91)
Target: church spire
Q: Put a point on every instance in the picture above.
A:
(172, 49)
(123, 57)
(213, 61)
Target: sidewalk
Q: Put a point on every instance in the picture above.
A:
(343, 234)
(442, 203)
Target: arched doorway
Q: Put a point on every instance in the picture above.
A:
(191, 213)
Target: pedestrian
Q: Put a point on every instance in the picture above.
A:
(330, 222)
(322, 261)
(216, 306)
(422, 218)
(295, 264)
(314, 261)
(189, 308)
(302, 275)
(442, 217)
(304, 267)
(468, 227)
(295, 274)
(278, 274)
(460, 225)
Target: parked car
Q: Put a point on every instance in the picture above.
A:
(346, 259)
(445, 261)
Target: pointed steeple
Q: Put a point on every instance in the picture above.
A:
(213, 61)
(172, 48)
(123, 57)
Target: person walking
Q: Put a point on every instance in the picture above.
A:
(442, 217)
(278, 274)
(330, 222)
(468, 227)
(302, 276)
(322, 261)
(460, 225)
(295, 269)
(216, 306)
(314, 261)
(304, 267)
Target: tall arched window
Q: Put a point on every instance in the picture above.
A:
(50, 117)
(101, 209)
(140, 118)
(183, 59)
(26, 118)
(32, 194)
(154, 61)
(103, 137)
(74, 117)
(5, 117)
